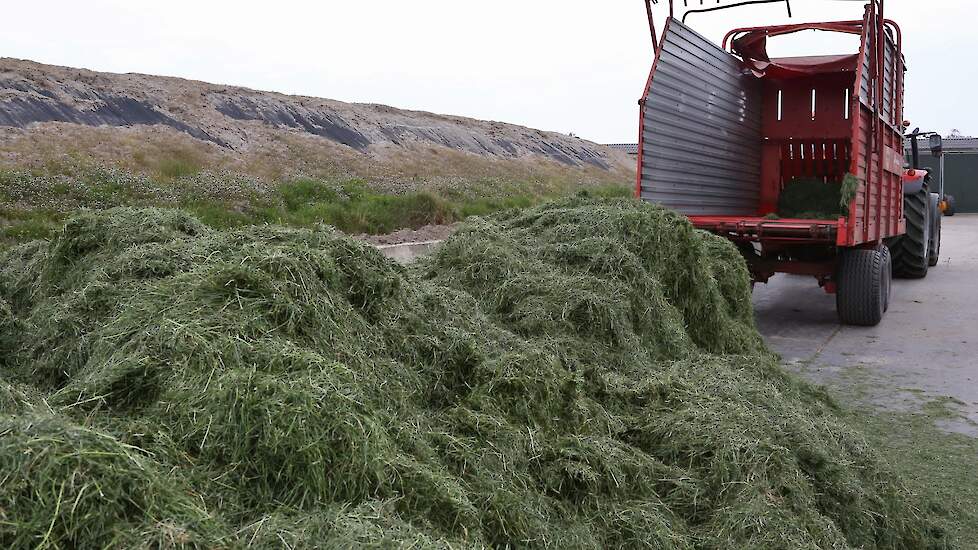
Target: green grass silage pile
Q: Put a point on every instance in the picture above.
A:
(585, 374)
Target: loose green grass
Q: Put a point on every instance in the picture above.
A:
(581, 374)
(26, 225)
(169, 164)
(175, 168)
(48, 502)
(353, 207)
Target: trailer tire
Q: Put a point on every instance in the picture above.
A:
(911, 251)
(860, 286)
(949, 209)
(934, 250)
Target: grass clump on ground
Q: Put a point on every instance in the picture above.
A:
(582, 374)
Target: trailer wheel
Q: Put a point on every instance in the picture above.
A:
(861, 286)
(911, 251)
(934, 250)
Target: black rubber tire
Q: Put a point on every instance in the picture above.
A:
(934, 250)
(887, 274)
(859, 297)
(911, 253)
(949, 211)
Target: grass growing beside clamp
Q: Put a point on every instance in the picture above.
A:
(34, 205)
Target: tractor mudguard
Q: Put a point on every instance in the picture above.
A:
(913, 184)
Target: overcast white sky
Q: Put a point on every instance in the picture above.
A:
(565, 65)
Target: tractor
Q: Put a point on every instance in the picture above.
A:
(919, 248)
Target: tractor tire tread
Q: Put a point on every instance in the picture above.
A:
(934, 249)
(911, 251)
(887, 275)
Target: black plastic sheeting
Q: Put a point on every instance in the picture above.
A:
(321, 124)
(112, 110)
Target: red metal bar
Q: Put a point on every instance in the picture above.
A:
(895, 208)
(847, 238)
(817, 269)
(849, 27)
(899, 32)
(873, 142)
(883, 142)
(766, 230)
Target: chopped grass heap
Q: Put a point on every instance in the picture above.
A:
(813, 198)
(584, 374)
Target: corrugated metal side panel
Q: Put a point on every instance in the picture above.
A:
(865, 83)
(701, 150)
(889, 82)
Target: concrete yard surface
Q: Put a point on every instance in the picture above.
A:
(406, 253)
(925, 348)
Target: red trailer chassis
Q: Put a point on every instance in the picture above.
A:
(722, 130)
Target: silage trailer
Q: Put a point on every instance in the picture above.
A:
(724, 128)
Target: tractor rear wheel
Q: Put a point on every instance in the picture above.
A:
(911, 251)
(887, 275)
(861, 286)
(934, 250)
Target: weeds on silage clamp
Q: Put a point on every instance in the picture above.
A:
(581, 374)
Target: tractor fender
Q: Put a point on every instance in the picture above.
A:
(914, 181)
